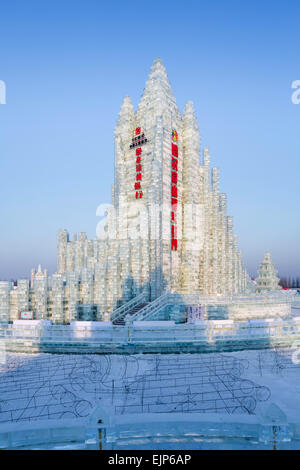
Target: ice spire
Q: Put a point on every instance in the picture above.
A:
(189, 116)
(126, 116)
(158, 79)
(39, 274)
(190, 262)
(191, 153)
(157, 92)
(123, 134)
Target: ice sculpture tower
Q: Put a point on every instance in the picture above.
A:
(167, 228)
(267, 279)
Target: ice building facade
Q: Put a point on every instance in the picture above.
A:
(167, 228)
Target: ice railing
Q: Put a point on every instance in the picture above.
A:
(202, 331)
(200, 299)
(126, 431)
(152, 308)
(43, 432)
(123, 309)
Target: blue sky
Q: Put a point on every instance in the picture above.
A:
(67, 66)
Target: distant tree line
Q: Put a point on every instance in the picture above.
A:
(290, 282)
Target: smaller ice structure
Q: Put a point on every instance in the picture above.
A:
(267, 279)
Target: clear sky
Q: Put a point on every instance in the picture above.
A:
(67, 66)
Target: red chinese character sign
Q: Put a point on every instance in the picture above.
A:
(138, 141)
(174, 190)
(175, 150)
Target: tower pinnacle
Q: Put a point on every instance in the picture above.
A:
(158, 60)
(125, 122)
(189, 116)
(157, 94)
(126, 112)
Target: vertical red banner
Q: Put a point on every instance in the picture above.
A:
(174, 191)
(138, 168)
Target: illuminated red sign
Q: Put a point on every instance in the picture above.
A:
(137, 141)
(138, 177)
(175, 150)
(174, 192)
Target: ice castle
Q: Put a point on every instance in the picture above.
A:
(166, 230)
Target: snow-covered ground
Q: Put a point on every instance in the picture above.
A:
(45, 386)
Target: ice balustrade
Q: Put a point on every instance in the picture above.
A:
(210, 330)
(47, 432)
(133, 431)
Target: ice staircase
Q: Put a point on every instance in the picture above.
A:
(121, 319)
(151, 310)
(138, 309)
(129, 308)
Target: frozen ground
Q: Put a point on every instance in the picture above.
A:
(46, 386)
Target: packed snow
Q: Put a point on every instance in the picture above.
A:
(46, 386)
